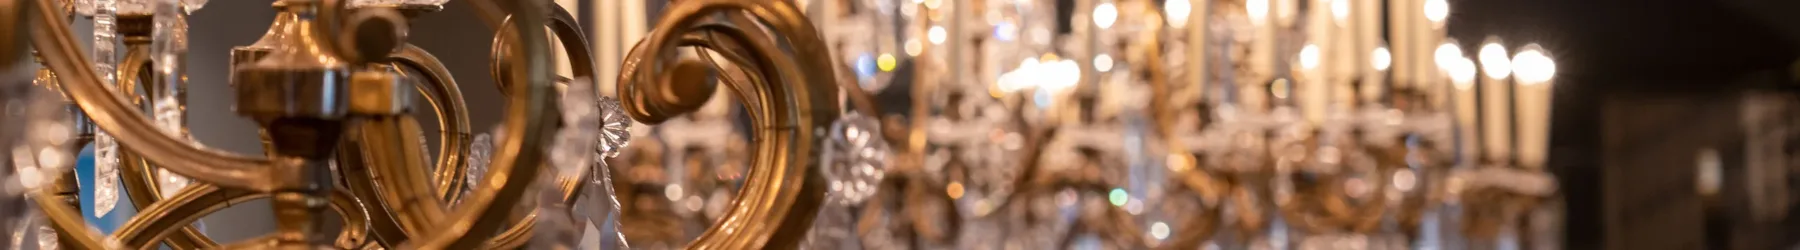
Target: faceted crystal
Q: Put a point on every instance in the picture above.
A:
(146, 7)
(363, 3)
(479, 152)
(833, 228)
(615, 130)
(855, 159)
(554, 228)
(577, 140)
(168, 48)
(46, 237)
(599, 204)
(106, 173)
(83, 7)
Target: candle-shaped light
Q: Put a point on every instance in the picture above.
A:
(1312, 99)
(1467, 110)
(1535, 71)
(1494, 61)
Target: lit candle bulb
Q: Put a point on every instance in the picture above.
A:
(1534, 70)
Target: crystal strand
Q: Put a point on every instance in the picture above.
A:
(478, 162)
(168, 48)
(106, 162)
(600, 206)
(46, 236)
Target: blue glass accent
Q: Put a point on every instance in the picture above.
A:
(84, 172)
(865, 66)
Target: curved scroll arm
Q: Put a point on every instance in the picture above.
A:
(446, 99)
(530, 122)
(113, 114)
(140, 179)
(567, 30)
(783, 190)
(194, 202)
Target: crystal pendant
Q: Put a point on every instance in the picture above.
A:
(599, 205)
(84, 7)
(168, 48)
(554, 228)
(855, 159)
(364, 3)
(581, 129)
(147, 7)
(106, 174)
(46, 237)
(479, 152)
(615, 130)
(834, 228)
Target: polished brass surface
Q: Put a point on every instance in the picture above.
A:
(446, 100)
(567, 31)
(530, 121)
(302, 80)
(280, 32)
(405, 190)
(783, 190)
(378, 93)
(131, 128)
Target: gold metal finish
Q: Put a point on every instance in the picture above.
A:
(530, 119)
(446, 100)
(783, 190)
(112, 113)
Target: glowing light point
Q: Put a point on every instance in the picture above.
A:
(914, 47)
(1437, 10)
(1159, 230)
(1533, 66)
(1178, 11)
(1381, 58)
(1340, 11)
(1105, 14)
(1309, 56)
(1258, 10)
(937, 34)
(885, 62)
(1493, 60)
(1103, 63)
(1447, 54)
(1118, 197)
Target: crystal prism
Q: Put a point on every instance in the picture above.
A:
(855, 159)
(478, 162)
(46, 237)
(106, 174)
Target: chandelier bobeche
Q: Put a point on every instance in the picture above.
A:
(1154, 125)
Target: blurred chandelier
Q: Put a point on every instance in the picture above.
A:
(1250, 124)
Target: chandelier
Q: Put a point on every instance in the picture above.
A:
(1177, 124)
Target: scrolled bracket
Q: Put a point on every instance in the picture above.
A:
(790, 111)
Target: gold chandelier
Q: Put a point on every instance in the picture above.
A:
(1271, 130)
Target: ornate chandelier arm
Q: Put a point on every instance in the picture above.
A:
(113, 114)
(404, 189)
(360, 182)
(446, 99)
(531, 121)
(783, 190)
(567, 31)
(199, 200)
(139, 178)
